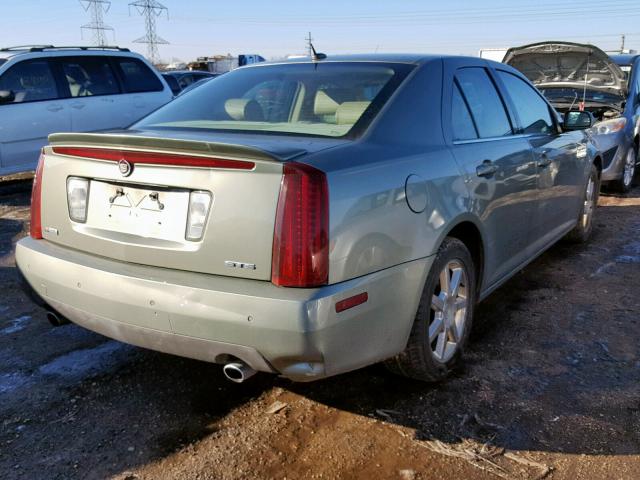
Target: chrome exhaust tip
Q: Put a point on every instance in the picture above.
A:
(238, 372)
(56, 319)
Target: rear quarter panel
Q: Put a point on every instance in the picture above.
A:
(372, 226)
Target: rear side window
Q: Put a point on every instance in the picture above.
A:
(532, 110)
(89, 76)
(486, 106)
(461, 121)
(30, 81)
(137, 77)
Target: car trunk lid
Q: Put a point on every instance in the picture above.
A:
(140, 216)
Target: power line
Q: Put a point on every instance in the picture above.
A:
(150, 10)
(97, 8)
(481, 15)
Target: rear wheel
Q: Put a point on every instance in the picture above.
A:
(443, 322)
(582, 231)
(624, 184)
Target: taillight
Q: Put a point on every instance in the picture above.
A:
(36, 201)
(301, 236)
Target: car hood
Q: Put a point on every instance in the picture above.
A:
(564, 64)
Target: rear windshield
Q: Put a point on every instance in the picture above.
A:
(323, 99)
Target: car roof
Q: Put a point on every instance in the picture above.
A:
(415, 58)
(184, 72)
(50, 50)
(624, 58)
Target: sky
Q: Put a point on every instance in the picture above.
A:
(277, 28)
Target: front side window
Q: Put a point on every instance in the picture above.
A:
(88, 76)
(30, 81)
(137, 77)
(325, 99)
(533, 111)
(484, 102)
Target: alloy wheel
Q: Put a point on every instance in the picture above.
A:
(629, 167)
(449, 304)
(587, 209)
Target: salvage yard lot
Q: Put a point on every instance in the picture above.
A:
(552, 386)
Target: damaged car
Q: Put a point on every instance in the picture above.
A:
(581, 77)
(312, 217)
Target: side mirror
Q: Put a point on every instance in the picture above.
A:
(578, 120)
(7, 96)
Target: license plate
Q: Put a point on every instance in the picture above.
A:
(146, 212)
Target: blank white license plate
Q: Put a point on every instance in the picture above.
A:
(141, 211)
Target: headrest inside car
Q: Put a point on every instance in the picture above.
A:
(324, 104)
(348, 113)
(244, 109)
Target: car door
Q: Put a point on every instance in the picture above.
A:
(93, 91)
(559, 157)
(35, 111)
(498, 166)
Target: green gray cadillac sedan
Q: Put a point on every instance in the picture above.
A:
(311, 217)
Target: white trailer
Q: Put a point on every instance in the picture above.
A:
(495, 54)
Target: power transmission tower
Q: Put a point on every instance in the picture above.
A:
(97, 8)
(309, 44)
(150, 9)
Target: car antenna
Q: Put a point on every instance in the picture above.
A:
(584, 91)
(315, 56)
(574, 100)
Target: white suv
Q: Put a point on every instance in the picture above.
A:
(46, 89)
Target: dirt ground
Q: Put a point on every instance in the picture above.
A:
(551, 387)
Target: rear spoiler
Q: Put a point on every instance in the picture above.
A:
(172, 145)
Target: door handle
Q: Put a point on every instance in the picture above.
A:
(486, 169)
(544, 161)
(55, 108)
(78, 106)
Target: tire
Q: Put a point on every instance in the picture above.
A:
(582, 231)
(434, 360)
(625, 182)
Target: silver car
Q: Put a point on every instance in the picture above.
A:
(575, 76)
(46, 89)
(312, 217)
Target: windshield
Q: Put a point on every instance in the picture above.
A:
(568, 95)
(322, 99)
(2, 60)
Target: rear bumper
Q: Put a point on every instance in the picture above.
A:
(294, 332)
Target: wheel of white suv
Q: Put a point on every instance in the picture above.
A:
(624, 184)
(443, 322)
(582, 231)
